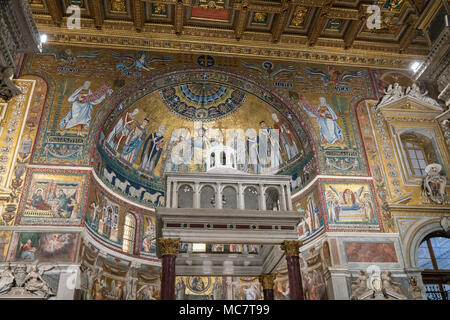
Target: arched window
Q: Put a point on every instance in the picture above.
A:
(224, 158)
(272, 199)
(229, 198)
(251, 199)
(207, 197)
(185, 197)
(212, 162)
(419, 152)
(128, 233)
(433, 255)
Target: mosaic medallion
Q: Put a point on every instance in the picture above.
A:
(198, 284)
(203, 101)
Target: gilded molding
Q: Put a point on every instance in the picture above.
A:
(280, 23)
(169, 246)
(138, 14)
(96, 8)
(179, 18)
(222, 42)
(55, 11)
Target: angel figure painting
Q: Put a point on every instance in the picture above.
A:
(45, 247)
(333, 76)
(141, 62)
(349, 204)
(267, 69)
(68, 57)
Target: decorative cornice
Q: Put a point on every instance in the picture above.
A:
(223, 42)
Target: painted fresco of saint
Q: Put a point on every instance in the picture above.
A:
(286, 136)
(82, 101)
(121, 130)
(329, 129)
(268, 135)
(134, 142)
(27, 251)
(152, 150)
(37, 201)
(252, 150)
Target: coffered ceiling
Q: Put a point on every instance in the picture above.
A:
(333, 31)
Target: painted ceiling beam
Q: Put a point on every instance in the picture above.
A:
(54, 7)
(179, 17)
(344, 13)
(138, 8)
(410, 32)
(318, 25)
(281, 20)
(242, 19)
(97, 12)
(354, 28)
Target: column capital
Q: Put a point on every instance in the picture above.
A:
(291, 247)
(169, 246)
(267, 281)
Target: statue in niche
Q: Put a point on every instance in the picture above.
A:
(414, 91)
(433, 186)
(6, 280)
(8, 89)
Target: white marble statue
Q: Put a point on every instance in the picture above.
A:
(34, 283)
(414, 91)
(392, 93)
(359, 286)
(6, 280)
(389, 286)
(414, 289)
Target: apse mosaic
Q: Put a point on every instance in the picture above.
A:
(105, 219)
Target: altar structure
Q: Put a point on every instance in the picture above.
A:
(226, 222)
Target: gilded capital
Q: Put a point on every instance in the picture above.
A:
(267, 281)
(291, 247)
(169, 246)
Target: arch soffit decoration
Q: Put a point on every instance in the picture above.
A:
(418, 234)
